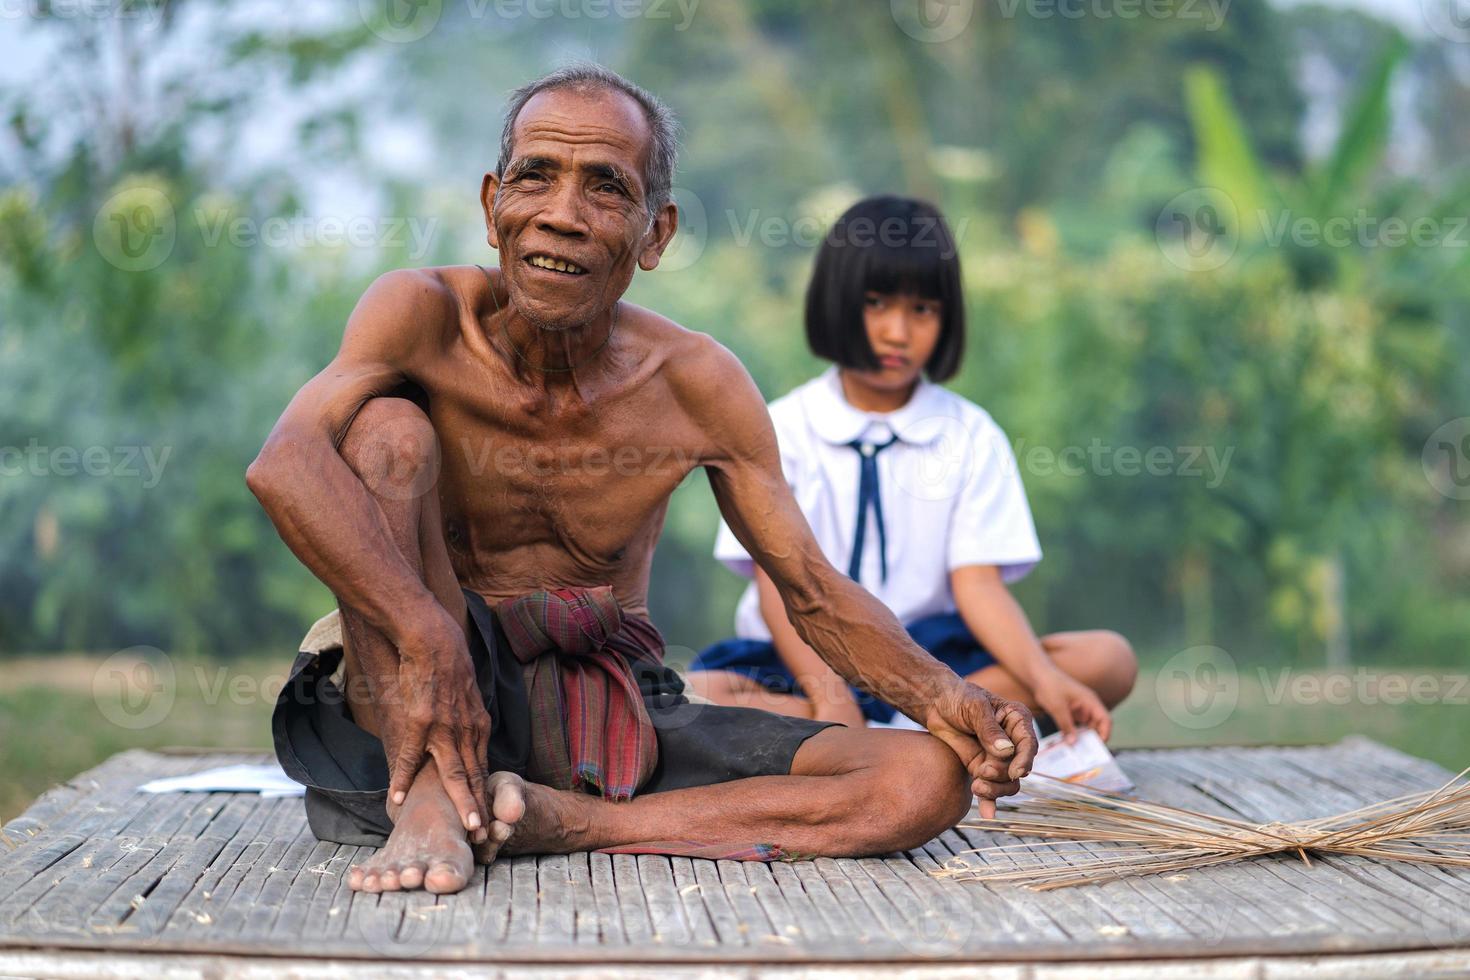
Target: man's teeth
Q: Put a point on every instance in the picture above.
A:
(542, 262)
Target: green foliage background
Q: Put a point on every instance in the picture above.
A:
(1055, 142)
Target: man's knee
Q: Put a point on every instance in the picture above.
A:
(392, 448)
(925, 791)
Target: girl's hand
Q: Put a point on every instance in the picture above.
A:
(1071, 704)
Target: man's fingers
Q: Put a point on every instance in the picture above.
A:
(456, 783)
(474, 764)
(988, 790)
(992, 769)
(987, 809)
(1019, 726)
(988, 730)
(963, 745)
(410, 760)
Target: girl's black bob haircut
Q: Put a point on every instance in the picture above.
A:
(885, 244)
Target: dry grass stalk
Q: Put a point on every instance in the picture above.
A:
(1092, 837)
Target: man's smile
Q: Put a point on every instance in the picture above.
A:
(555, 264)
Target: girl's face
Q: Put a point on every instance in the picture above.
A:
(903, 330)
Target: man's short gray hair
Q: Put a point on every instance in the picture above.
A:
(658, 176)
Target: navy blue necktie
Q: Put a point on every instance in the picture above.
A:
(868, 495)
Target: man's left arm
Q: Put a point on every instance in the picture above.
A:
(852, 631)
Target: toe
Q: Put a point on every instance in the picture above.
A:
(370, 882)
(412, 875)
(507, 797)
(445, 877)
(389, 878)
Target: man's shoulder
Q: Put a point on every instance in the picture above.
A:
(691, 361)
(412, 302)
(706, 379)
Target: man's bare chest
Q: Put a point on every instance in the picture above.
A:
(519, 468)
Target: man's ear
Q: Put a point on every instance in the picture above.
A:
(488, 186)
(665, 223)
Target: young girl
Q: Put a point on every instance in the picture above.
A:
(911, 488)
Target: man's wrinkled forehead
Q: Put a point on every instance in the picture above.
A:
(588, 126)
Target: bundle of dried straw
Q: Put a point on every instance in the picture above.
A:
(1142, 838)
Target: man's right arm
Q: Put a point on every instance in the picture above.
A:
(317, 503)
(331, 521)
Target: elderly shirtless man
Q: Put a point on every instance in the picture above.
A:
(480, 477)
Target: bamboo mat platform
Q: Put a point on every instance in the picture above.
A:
(100, 881)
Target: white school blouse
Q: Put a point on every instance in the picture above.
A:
(949, 486)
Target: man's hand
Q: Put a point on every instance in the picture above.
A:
(993, 737)
(441, 714)
(1071, 704)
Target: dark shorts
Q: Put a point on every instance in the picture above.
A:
(945, 636)
(345, 771)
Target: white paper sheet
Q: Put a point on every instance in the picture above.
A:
(267, 780)
(1087, 762)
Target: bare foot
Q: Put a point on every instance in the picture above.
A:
(507, 795)
(427, 848)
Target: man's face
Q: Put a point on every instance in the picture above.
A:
(569, 215)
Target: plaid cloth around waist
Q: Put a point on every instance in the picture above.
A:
(590, 730)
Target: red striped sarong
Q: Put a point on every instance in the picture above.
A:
(590, 730)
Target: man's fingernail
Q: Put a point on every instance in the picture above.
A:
(398, 797)
(474, 821)
(1004, 743)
